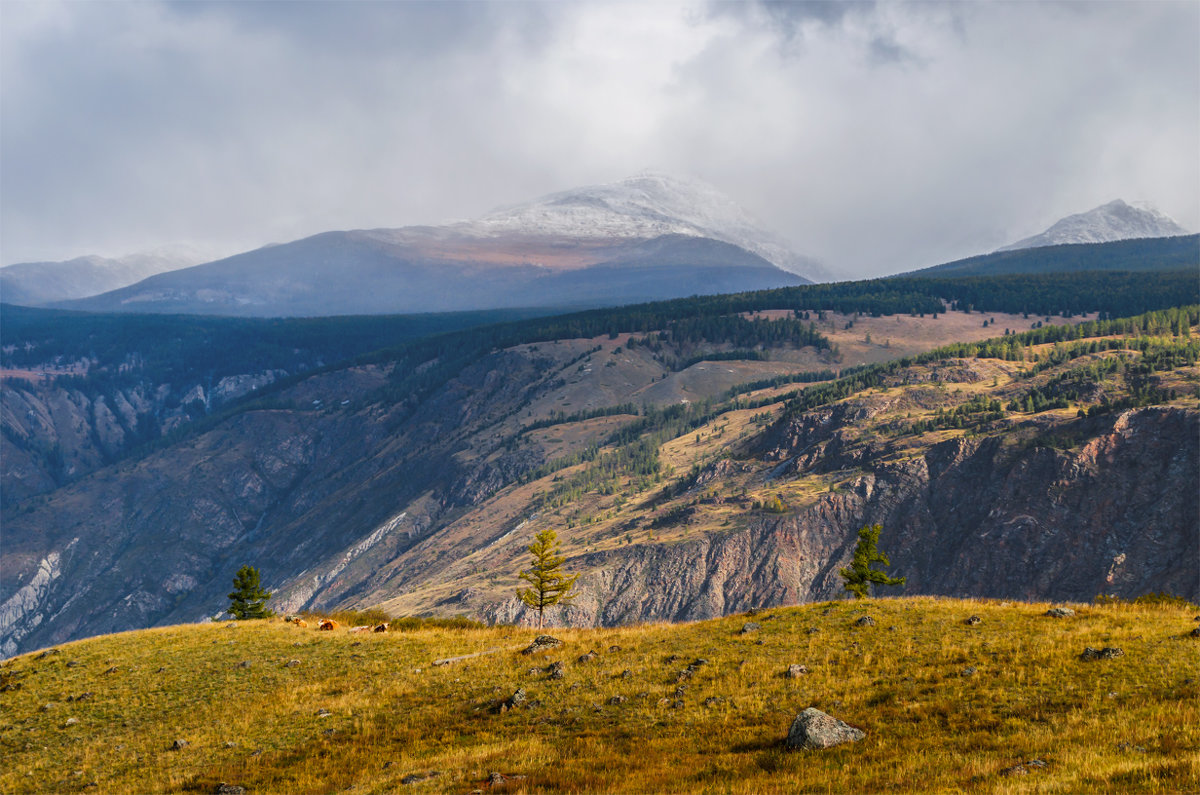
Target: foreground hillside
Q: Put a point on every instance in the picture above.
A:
(1005, 704)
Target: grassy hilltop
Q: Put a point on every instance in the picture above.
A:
(947, 706)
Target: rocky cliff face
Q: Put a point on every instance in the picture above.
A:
(968, 518)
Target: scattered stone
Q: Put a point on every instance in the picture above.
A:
(679, 691)
(865, 621)
(229, 789)
(968, 671)
(972, 621)
(324, 713)
(811, 631)
(617, 700)
(329, 732)
(512, 702)
(71, 721)
(47, 653)
(613, 649)
(501, 781)
(591, 655)
(51, 705)
(230, 744)
(244, 664)
(713, 701)
(813, 729)
(1036, 763)
(112, 670)
(664, 702)
(627, 674)
(1107, 653)
(1195, 633)
(557, 670)
(1015, 770)
(1060, 612)
(416, 778)
(291, 663)
(750, 626)
(160, 670)
(72, 663)
(179, 745)
(542, 643)
(795, 671)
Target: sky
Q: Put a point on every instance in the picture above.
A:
(875, 137)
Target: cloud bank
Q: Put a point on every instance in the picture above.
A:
(877, 137)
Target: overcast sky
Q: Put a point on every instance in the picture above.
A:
(877, 138)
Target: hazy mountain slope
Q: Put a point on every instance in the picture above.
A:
(1113, 221)
(1150, 254)
(647, 238)
(39, 283)
(352, 488)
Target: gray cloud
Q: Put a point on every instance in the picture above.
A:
(878, 137)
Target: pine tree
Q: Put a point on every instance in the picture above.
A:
(248, 599)
(548, 584)
(859, 575)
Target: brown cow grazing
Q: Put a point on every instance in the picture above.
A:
(327, 625)
(300, 622)
(381, 627)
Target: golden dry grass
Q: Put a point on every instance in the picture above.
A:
(1130, 724)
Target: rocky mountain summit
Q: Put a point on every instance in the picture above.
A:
(1108, 222)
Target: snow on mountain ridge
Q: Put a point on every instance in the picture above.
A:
(648, 204)
(1116, 220)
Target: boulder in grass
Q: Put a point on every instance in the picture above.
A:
(1060, 612)
(813, 730)
(542, 643)
(1107, 653)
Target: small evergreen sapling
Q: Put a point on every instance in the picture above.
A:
(248, 599)
(859, 575)
(548, 585)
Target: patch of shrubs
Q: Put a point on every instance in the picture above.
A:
(1161, 599)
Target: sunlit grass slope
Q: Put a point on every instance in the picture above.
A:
(249, 700)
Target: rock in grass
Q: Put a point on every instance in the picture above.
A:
(1107, 653)
(542, 643)
(795, 671)
(972, 621)
(1060, 612)
(517, 699)
(865, 621)
(750, 626)
(813, 729)
(1015, 770)
(229, 789)
(1195, 633)
(591, 655)
(179, 745)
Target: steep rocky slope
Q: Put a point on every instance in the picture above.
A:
(347, 491)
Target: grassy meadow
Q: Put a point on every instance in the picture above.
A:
(273, 707)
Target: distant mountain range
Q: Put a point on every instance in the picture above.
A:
(1108, 222)
(1140, 254)
(40, 283)
(648, 237)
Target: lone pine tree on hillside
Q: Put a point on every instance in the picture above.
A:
(548, 584)
(859, 575)
(248, 599)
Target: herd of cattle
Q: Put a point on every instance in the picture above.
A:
(329, 625)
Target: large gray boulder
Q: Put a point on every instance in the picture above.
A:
(813, 729)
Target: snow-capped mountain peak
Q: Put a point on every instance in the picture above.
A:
(1116, 220)
(645, 205)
